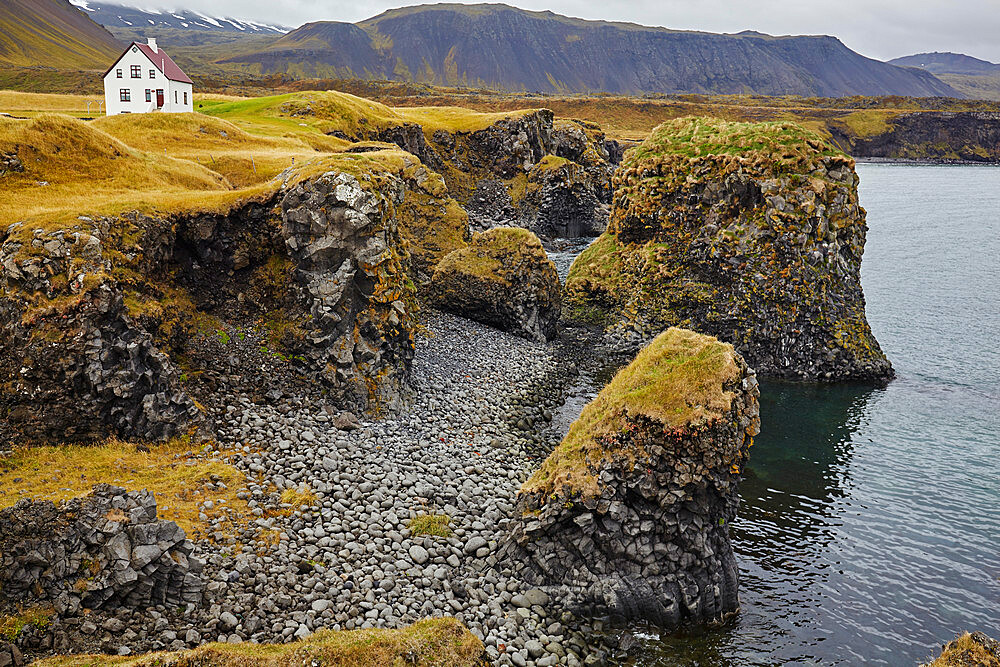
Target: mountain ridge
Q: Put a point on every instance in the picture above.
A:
(502, 47)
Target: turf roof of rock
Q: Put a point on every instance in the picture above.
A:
(678, 380)
(780, 146)
(489, 255)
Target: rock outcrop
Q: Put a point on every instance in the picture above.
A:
(748, 232)
(97, 316)
(76, 367)
(526, 169)
(969, 650)
(630, 514)
(344, 242)
(935, 136)
(99, 552)
(503, 278)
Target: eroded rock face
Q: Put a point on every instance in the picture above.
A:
(489, 171)
(99, 552)
(79, 369)
(94, 318)
(630, 515)
(347, 251)
(503, 278)
(760, 247)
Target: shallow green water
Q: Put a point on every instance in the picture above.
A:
(869, 531)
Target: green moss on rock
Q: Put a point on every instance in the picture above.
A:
(503, 278)
(748, 232)
(681, 381)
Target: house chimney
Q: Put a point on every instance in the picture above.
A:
(151, 41)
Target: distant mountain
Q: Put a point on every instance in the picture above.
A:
(975, 78)
(947, 63)
(53, 33)
(113, 15)
(501, 47)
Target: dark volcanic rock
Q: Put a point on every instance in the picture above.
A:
(503, 278)
(630, 514)
(346, 246)
(79, 369)
(93, 319)
(748, 232)
(102, 551)
(969, 136)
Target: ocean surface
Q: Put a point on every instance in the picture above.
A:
(869, 529)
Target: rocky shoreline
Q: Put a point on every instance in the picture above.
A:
(347, 558)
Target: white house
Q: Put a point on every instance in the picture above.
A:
(145, 79)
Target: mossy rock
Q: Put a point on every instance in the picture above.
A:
(679, 383)
(751, 232)
(503, 278)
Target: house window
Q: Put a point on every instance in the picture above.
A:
(149, 95)
(125, 95)
(185, 97)
(152, 74)
(136, 72)
(175, 97)
(118, 72)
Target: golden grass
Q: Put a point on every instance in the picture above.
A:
(966, 652)
(298, 497)
(678, 380)
(174, 475)
(869, 122)
(438, 642)
(17, 103)
(436, 525)
(87, 171)
(491, 253)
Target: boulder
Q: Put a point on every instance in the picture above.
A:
(503, 278)
(630, 514)
(750, 232)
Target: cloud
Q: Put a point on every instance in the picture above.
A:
(880, 29)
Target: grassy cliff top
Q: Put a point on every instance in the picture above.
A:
(171, 471)
(491, 254)
(679, 380)
(441, 642)
(330, 111)
(763, 147)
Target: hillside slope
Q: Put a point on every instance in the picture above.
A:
(53, 33)
(975, 78)
(502, 47)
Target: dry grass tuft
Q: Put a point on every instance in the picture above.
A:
(438, 642)
(171, 471)
(303, 495)
(436, 525)
(678, 380)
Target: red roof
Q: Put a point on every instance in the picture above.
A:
(161, 60)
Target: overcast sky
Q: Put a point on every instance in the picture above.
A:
(880, 29)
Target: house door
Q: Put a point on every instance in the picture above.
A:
(159, 98)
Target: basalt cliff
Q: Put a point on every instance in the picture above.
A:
(630, 514)
(748, 232)
(108, 320)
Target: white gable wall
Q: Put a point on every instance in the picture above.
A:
(172, 90)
